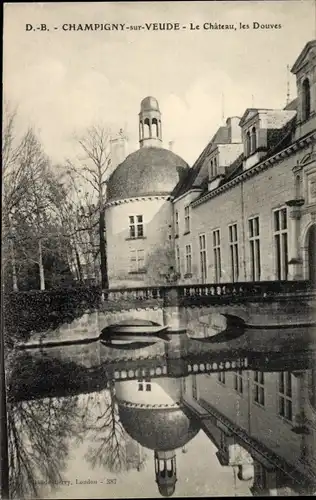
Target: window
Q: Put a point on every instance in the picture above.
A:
(211, 170)
(144, 384)
(203, 261)
(217, 255)
(306, 100)
(188, 259)
(259, 388)
(281, 243)
(137, 260)
(215, 167)
(176, 223)
(187, 219)
(253, 139)
(254, 242)
(233, 243)
(285, 395)
(238, 382)
(248, 144)
(136, 226)
(221, 377)
(178, 259)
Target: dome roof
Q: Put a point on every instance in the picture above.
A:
(149, 103)
(159, 429)
(148, 171)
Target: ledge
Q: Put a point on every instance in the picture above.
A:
(141, 271)
(136, 238)
(186, 232)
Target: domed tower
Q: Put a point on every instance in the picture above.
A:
(152, 414)
(150, 123)
(139, 210)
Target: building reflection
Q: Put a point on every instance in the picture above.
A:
(153, 414)
(262, 423)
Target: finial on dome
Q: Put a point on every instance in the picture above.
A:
(150, 123)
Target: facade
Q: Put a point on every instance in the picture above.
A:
(245, 211)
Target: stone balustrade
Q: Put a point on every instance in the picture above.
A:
(213, 293)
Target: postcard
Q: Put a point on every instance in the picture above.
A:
(158, 249)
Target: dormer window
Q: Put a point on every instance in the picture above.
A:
(306, 100)
(212, 170)
(248, 143)
(253, 139)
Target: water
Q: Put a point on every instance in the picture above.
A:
(229, 417)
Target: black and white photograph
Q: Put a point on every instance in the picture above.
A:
(158, 256)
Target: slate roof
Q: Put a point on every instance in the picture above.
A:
(282, 138)
(221, 137)
(159, 429)
(147, 171)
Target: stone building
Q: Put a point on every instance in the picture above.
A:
(245, 211)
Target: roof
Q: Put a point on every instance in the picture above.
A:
(296, 66)
(283, 139)
(149, 103)
(159, 429)
(221, 137)
(148, 171)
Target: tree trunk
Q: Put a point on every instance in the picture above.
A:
(79, 267)
(41, 266)
(103, 263)
(14, 273)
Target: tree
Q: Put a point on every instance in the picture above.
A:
(32, 195)
(93, 171)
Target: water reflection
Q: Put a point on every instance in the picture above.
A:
(91, 414)
(38, 440)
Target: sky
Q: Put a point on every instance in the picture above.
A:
(64, 81)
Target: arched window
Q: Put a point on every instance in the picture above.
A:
(306, 99)
(248, 144)
(155, 127)
(253, 139)
(146, 128)
(141, 130)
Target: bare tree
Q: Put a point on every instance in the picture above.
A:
(93, 170)
(31, 194)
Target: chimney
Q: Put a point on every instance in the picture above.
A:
(234, 129)
(118, 149)
(171, 143)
